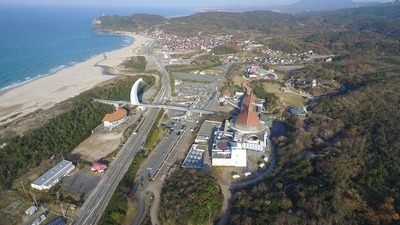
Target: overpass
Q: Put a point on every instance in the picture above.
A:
(135, 102)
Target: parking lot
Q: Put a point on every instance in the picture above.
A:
(81, 182)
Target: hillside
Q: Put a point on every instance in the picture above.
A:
(319, 5)
(340, 164)
(129, 23)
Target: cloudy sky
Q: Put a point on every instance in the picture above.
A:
(160, 3)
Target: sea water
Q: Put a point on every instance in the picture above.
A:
(37, 41)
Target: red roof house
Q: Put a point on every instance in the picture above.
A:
(99, 167)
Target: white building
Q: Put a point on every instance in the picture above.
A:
(53, 176)
(31, 210)
(227, 152)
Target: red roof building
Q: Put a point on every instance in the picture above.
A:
(99, 167)
(247, 116)
(114, 119)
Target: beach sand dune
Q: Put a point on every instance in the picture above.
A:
(47, 91)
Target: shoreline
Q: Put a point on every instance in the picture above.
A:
(44, 92)
(65, 66)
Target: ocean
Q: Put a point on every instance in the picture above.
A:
(37, 41)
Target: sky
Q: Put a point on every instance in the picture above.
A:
(159, 3)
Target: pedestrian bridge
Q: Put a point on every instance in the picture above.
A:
(135, 102)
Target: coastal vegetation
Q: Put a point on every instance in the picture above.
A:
(61, 134)
(120, 90)
(56, 138)
(128, 23)
(136, 63)
(195, 196)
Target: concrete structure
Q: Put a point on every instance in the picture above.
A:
(116, 118)
(134, 90)
(227, 152)
(31, 210)
(253, 142)
(195, 158)
(53, 176)
(206, 131)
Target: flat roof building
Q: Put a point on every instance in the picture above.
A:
(53, 176)
(195, 158)
(227, 152)
(206, 131)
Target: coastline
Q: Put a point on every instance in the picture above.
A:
(45, 92)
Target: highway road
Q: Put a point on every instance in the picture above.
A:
(94, 206)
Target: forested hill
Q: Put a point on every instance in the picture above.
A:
(131, 23)
(253, 20)
(265, 22)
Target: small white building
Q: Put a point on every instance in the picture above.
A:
(31, 210)
(39, 219)
(53, 176)
(261, 165)
(247, 174)
(235, 176)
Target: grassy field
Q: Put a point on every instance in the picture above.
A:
(137, 63)
(287, 98)
(238, 80)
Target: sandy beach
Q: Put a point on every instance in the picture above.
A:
(47, 91)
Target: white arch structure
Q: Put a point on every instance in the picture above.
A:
(134, 90)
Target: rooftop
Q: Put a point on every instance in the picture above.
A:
(195, 158)
(247, 116)
(99, 166)
(119, 114)
(54, 173)
(206, 130)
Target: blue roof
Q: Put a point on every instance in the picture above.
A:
(57, 221)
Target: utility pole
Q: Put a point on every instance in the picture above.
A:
(23, 187)
(59, 202)
(34, 199)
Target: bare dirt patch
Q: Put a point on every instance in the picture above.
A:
(97, 146)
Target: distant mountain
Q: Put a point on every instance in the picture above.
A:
(320, 5)
(299, 6)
